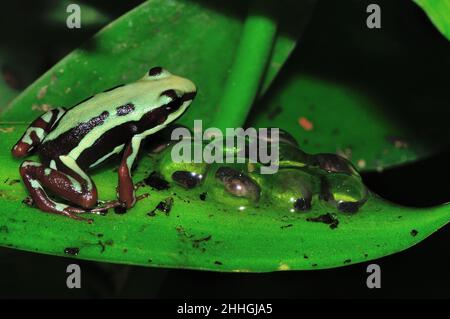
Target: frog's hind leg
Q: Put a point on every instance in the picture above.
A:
(36, 132)
(70, 183)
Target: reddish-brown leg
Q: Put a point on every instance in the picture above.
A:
(36, 132)
(126, 189)
(73, 187)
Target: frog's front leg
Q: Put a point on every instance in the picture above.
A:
(67, 181)
(126, 189)
(36, 132)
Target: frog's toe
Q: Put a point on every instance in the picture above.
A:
(145, 195)
(74, 213)
(105, 206)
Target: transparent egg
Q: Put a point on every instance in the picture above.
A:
(345, 192)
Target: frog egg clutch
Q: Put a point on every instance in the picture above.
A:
(302, 181)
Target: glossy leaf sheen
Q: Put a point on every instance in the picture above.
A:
(438, 12)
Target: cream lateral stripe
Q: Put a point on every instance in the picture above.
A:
(58, 206)
(92, 136)
(113, 121)
(97, 132)
(86, 113)
(144, 94)
(27, 138)
(29, 163)
(47, 116)
(76, 185)
(53, 165)
(116, 150)
(70, 163)
(135, 144)
(61, 112)
(35, 184)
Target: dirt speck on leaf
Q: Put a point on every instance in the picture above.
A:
(42, 92)
(306, 124)
(156, 181)
(196, 242)
(103, 245)
(13, 181)
(41, 107)
(274, 113)
(328, 218)
(73, 251)
(6, 129)
(398, 142)
(164, 206)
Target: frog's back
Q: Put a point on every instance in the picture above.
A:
(82, 125)
(104, 123)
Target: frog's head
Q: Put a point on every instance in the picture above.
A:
(171, 92)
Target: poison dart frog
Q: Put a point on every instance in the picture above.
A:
(69, 142)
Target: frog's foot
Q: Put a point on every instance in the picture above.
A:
(142, 196)
(74, 212)
(106, 205)
(74, 188)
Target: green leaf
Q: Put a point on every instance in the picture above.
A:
(204, 234)
(438, 12)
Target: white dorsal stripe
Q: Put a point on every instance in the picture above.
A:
(116, 150)
(70, 163)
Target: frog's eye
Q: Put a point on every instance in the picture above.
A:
(173, 100)
(155, 71)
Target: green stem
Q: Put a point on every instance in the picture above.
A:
(252, 56)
